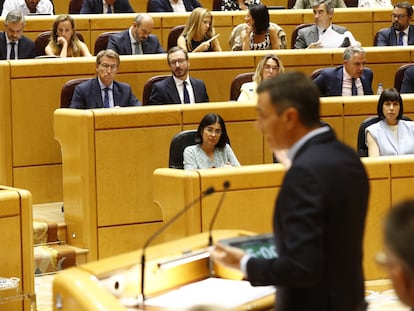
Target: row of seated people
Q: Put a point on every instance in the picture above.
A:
(198, 35)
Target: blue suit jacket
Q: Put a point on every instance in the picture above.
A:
(387, 36)
(314, 212)
(96, 7)
(165, 92)
(165, 6)
(121, 43)
(26, 47)
(330, 81)
(87, 95)
(407, 84)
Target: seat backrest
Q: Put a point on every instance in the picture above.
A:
(295, 33)
(173, 36)
(237, 83)
(75, 6)
(178, 143)
(148, 86)
(235, 43)
(217, 5)
(42, 41)
(101, 41)
(399, 75)
(67, 91)
(351, 3)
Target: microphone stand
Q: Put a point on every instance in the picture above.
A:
(208, 191)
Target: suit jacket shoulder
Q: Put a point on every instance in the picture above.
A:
(200, 91)
(26, 48)
(160, 6)
(120, 43)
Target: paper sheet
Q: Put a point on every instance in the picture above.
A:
(333, 39)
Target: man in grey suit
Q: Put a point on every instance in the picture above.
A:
(179, 88)
(103, 91)
(13, 45)
(309, 37)
(401, 31)
(137, 39)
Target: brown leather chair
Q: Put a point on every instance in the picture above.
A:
(295, 33)
(237, 83)
(147, 87)
(42, 41)
(399, 75)
(101, 41)
(173, 36)
(217, 5)
(67, 91)
(75, 6)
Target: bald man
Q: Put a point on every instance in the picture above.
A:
(137, 39)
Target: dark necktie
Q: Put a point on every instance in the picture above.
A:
(138, 47)
(186, 95)
(400, 38)
(109, 9)
(354, 89)
(106, 98)
(12, 51)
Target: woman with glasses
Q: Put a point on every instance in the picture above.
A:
(213, 149)
(199, 34)
(268, 67)
(63, 40)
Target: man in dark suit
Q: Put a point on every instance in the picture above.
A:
(103, 91)
(312, 37)
(106, 7)
(320, 210)
(401, 32)
(180, 88)
(352, 78)
(407, 83)
(173, 5)
(137, 39)
(13, 45)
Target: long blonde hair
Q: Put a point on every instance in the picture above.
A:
(73, 45)
(258, 74)
(194, 23)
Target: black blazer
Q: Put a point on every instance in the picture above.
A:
(121, 43)
(387, 36)
(407, 83)
(318, 225)
(165, 6)
(96, 7)
(26, 47)
(88, 95)
(165, 92)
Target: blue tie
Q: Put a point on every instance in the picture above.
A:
(400, 38)
(186, 95)
(106, 98)
(354, 88)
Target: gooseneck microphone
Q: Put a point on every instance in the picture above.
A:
(207, 192)
(226, 186)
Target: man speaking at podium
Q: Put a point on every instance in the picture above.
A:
(320, 210)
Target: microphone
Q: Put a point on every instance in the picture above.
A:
(207, 192)
(226, 186)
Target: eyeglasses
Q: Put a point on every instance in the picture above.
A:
(107, 66)
(398, 16)
(269, 67)
(212, 131)
(177, 61)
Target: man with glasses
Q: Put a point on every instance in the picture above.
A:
(401, 32)
(103, 91)
(179, 88)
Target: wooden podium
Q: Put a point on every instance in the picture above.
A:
(114, 283)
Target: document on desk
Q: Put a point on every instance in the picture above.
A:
(333, 39)
(212, 291)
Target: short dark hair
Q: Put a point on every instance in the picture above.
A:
(261, 18)
(209, 119)
(405, 5)
(390, 95)
(399, 231)
(294, 89)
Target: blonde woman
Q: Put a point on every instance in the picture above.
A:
(198, 34)
(63, 40)
(268, 67)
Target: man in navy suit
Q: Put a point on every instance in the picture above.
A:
(103, 91)
(400, 32)
(13, 45)
(179, 88)
(173, 5)
(320, 209)
(106, 7)
(352, 78)
(137, 39)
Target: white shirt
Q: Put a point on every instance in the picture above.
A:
(179, 85)
(347, 85)
(43, 7)
(105, 8)
(110, 93)
(405, 38)
(16, 47)
(178, 7)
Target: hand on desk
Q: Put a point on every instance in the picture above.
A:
(227, 256)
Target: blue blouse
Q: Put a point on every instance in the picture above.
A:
(195, 158)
